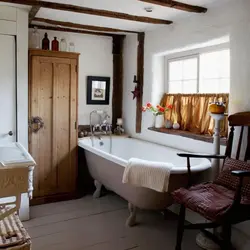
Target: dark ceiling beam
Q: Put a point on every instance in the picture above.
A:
(177, 5)
(34, 10)
(43, 27)
(81, 26)
(88, 11)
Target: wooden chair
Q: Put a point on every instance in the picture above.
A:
(225, 201)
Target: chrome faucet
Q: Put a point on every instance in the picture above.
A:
(102, 127)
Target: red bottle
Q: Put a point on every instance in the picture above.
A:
(55, 45)
(45, 42)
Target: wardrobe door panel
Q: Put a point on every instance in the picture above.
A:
(41, 144)
(62, 124)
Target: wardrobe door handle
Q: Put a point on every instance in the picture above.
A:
(10, 133)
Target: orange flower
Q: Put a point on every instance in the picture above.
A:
(143, 109)
(149, 105)
(158, 106)
(170, 106)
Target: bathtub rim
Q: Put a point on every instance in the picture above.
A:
(204, 164)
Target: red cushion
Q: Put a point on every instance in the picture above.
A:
(209, 200)
(227, 180)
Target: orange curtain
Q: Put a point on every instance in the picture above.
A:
(191, 111)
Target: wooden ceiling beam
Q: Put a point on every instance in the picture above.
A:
(88, 11)
(43, 27)
(34, 10)
(81, 26)
(177, 5)
(33, 13)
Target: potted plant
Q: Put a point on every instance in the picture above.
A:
(158, 111)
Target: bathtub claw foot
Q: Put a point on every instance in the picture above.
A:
(97, 193)
(131, 221)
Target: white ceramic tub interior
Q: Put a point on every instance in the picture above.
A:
(124, 148)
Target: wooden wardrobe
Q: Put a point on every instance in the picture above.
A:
(53, 94)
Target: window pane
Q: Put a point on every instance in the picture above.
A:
(182, 73)
(209, 86)
(224, 66)
(209, 65)
(190, 69)
(215, 72)
(175, 70)
(175, 87)
(224, 85)
(189, 87)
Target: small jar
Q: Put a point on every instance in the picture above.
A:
(71, 47)
(63, 45)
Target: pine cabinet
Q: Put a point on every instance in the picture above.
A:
(53, 94)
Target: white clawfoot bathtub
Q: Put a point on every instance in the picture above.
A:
(107, 169)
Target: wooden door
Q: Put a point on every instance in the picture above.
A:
(53, 98)
(7, 89)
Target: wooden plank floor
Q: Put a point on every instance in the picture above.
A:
(100, 225)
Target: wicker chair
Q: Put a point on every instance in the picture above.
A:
(225, 201)
(13, 182)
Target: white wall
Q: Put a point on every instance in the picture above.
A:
(231, 20)
(96, 59)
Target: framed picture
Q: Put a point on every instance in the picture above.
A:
(98, 89)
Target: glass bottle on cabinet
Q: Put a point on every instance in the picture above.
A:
(35, 39)
(55, 44)
(63, 45)
(45, 42)
(71, 47)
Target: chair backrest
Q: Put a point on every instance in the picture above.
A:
(241, 120)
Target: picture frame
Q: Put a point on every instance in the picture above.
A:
(98, 90)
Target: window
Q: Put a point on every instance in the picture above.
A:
(200, 73)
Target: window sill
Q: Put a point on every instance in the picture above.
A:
(204, 138)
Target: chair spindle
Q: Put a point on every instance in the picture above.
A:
(230, 143)
(240, 143)
(247, 155)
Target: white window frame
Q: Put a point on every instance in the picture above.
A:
(191, 54)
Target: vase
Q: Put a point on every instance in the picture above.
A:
(159, 121)
(168, 124)
(176, 125)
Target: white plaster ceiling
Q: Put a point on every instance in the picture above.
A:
(133, 7)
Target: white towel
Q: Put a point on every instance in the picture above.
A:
(149, 174)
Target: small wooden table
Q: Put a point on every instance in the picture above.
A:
(15, 156)
(16, 178)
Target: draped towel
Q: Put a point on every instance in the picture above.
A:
(148, 174)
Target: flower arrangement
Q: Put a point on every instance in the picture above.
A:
(156, 110)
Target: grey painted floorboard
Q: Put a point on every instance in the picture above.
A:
(88, 224)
